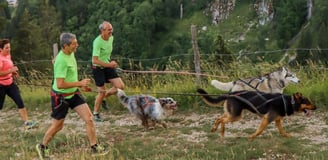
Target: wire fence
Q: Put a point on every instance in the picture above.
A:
(41, 70)
(282, 51)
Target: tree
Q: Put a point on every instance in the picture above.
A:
(49, 21)
(221, 52)
(4, 15)
(290, 16)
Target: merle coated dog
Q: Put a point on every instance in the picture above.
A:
(147, 107)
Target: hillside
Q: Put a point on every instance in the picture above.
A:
(255, 31)
(245, 33)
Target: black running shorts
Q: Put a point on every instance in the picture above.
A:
(60, 105)
(103, 75)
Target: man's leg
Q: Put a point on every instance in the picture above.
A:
(42, 149)
(56, 126)
(116, 83)
(86, 115)
(98, 101)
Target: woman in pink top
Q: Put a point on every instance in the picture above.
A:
(7, 84)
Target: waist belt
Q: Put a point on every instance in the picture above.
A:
(54, 93)
(97, 67)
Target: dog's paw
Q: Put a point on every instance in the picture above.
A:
(164, 125)
(286, 135)
(213, 129)
(251, 138)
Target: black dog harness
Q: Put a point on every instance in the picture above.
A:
(255, 108)
(261, 80)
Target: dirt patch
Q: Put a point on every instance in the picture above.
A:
(315, 126)
(189, 127)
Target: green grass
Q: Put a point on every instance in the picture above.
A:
(188, 135)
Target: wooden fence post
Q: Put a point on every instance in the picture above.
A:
(181, 11)
(54, 51)
(196, 54)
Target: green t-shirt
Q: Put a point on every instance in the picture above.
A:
(65, 67)
(103, 49)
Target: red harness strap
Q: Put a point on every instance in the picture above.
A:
(147, 102)
(52, 93)
(56, 95)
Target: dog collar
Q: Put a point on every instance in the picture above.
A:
(292, 101)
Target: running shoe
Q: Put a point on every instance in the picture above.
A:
(43, 151)
(98, 150)
(97, 118)
(30, 124)
(104, 105)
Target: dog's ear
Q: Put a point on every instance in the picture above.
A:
(161, 100)
(298, 96)
(284, 70)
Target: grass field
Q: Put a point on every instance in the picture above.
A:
(188, 134)
(187, 137)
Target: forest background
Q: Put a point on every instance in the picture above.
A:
(146, 29)
(235, 39)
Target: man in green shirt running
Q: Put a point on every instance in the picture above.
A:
(103, 68)
(65, 95)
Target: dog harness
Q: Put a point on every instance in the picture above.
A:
(261, 79)
(144, 102)
(255, 108)
(280, 83)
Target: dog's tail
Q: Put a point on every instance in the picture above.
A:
(123, 98)
(221, 85)
(214, 102)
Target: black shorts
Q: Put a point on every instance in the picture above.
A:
(103, 75)
(60, 105)
(13, 92)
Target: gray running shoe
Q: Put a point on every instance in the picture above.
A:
(104, 105)
(97, 118)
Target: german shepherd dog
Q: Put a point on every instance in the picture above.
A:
(274, 82)
(146, 107)
(269, 106)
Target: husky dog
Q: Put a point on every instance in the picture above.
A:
(274, 82)
(147, 107)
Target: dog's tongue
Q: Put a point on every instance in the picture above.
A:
(174, 107)
(307, 112)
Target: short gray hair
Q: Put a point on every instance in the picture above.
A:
(101, 26)
(66, 38)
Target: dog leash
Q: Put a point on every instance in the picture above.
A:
(255, 88)
(247, 102)
(249, 83)
(283, 99)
